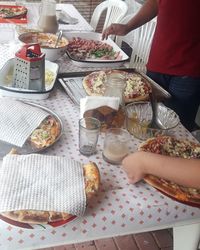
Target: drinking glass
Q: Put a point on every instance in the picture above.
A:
(116, 145)
(89, 129)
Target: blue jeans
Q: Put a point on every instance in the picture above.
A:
(185, 92)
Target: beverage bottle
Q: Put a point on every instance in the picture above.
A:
(48, 20)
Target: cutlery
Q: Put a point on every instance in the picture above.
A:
(59, 37)
(155, 122)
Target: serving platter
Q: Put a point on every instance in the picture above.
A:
(13, 14)
(6, 75)
(37, 226)
(189, 203)
(27, 148)
(12, 11)
(98, 62)
(73, 85)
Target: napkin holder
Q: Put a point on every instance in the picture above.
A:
(29, 68)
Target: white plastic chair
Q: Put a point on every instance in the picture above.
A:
(116, 10)
(140, 41)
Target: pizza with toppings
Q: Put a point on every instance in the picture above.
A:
(46, 134)
(137, 88)
(87, 49)
(7, 11)
(92, 182)
(171, 146)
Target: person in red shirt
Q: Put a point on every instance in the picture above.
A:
(174, 60)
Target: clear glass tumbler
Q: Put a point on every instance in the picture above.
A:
(116, 145)
(89, 129)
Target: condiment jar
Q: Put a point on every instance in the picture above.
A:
(115, 86)
(48, 21)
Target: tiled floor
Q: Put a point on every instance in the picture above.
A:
(157, 240)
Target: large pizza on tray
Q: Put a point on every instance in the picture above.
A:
(167, 145)
(137, 88)
(92, 181)
(8, 11)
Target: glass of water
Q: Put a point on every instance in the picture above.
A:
(89, 129)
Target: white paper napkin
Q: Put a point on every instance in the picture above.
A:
(18, 120)
(42, 182)
(93, 102)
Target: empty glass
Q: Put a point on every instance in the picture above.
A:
(89, 129)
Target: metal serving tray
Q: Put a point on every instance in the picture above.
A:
(27, 148)
(72, 84)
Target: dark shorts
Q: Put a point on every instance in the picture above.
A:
(185, 92)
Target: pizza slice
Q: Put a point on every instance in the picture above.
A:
(171, 146)
(137, 89)
(94, 83)
(46, 134)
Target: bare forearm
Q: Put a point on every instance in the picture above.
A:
(185, 172)
(147, 12)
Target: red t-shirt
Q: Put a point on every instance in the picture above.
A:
(176, 44)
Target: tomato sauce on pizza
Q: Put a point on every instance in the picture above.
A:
(137, 88)
(167, 145)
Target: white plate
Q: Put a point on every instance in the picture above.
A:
(96, 62)
(6, 89)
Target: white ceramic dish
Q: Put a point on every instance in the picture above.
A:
(6, 89)
(51, 53)
(96, 62)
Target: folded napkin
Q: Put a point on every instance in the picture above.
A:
(94, 102)
(18, 120)
(63, 17)
(41, 182)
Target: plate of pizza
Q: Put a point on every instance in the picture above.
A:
(12, 11)
(44, 136)
(34, 219)
(137, 88)
(171, 146)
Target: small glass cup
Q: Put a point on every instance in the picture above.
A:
(116, 145)
(89, 129)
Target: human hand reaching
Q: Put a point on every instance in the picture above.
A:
(114, 29)
(133, 166)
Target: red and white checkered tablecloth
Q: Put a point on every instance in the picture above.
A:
(119, 208)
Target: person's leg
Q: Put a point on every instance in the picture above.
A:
(162, 79)
(185, 99)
